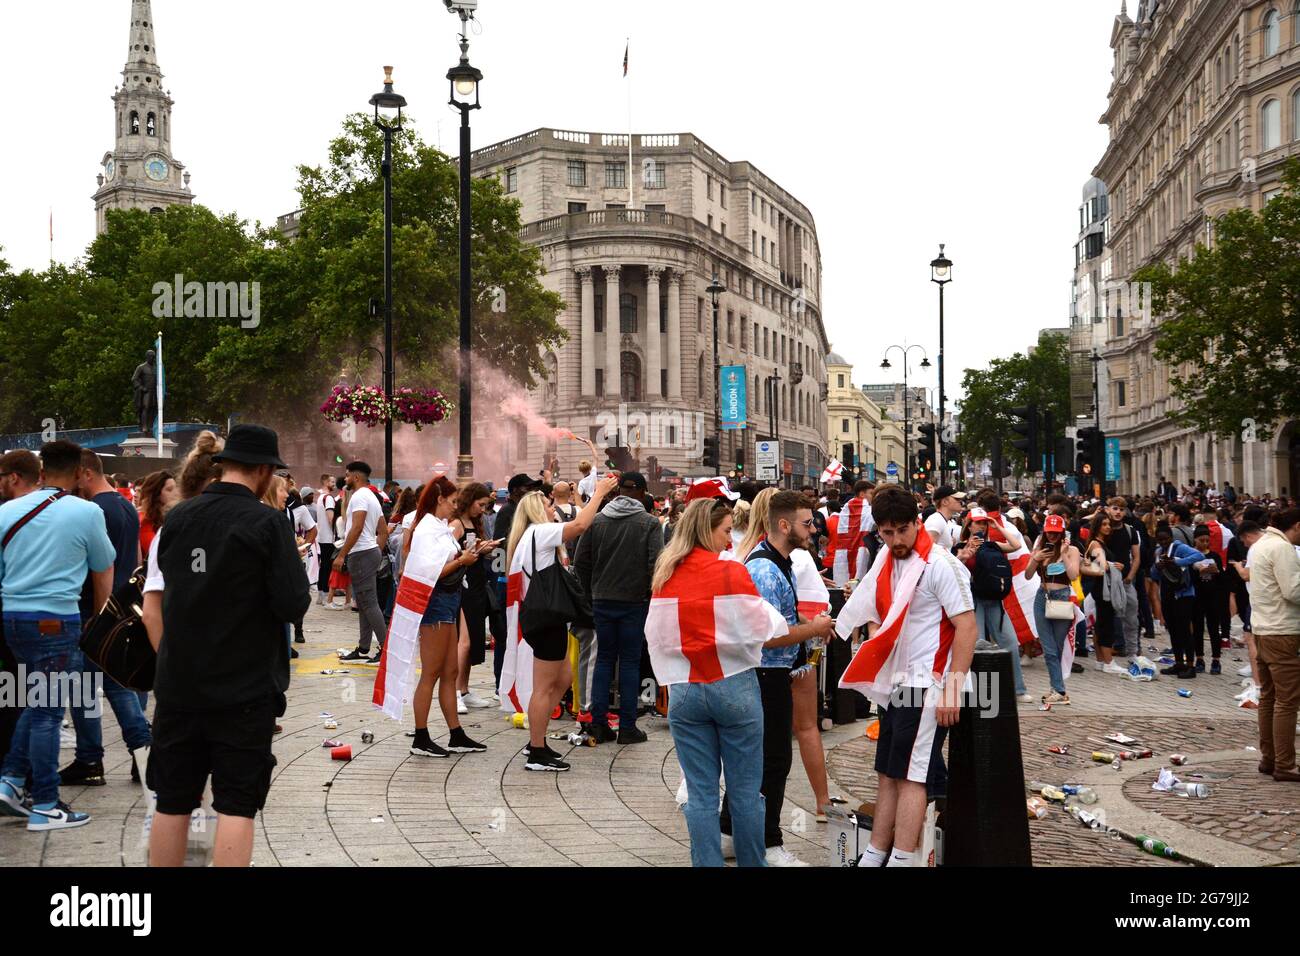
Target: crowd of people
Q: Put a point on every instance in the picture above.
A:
(599, 600)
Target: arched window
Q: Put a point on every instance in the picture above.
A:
(627, 313)
(151, 125)
(1295, 115)
(1270, 122)
(135, 123)
(1272, 33)
(630, 377)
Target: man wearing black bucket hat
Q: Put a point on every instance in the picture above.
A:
(233, 581)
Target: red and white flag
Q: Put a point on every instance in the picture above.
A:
(1019, 604)
(708, 622)
(851, 551)
(834, 472)
(1219, 539)
(809, 585)
(432, 546)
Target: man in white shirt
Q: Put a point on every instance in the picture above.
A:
(944, 531)
(361, 552)
(587, 483)
(921, 679)
(326, 510)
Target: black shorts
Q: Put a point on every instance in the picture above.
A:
(549, 644)
(232, 745)
(474, 605)
(911, 741)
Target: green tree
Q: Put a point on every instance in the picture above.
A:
(1230, 331)
(1041, 377)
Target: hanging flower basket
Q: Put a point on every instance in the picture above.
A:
(420, 407)
(359, 403)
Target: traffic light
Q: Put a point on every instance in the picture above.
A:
(711, 457)
(951, 457)
(618, 458)
(1090, 457)
(929, 438)
(652, 466)
(1028, 427)
(740, 460)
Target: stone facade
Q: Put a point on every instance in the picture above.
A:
(854, 419)
(1087, 306)
(634, 249)
(140, 171)
(1204, 109)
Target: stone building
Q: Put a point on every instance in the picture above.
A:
(1203, 111)
(140, 172)
(633, 248)
(855, 423)
(1087, 306)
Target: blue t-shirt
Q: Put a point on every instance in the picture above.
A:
(45, 565)
(122, 522)
(774, 588)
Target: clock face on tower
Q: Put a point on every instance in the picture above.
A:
(109, 168)
(155, 167)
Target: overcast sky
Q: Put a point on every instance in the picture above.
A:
(900, 125)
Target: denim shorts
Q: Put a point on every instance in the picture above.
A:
(444, 606)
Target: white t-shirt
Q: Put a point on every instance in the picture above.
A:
(365, 504)
(587, 486)
(323, 505)
(303, 521)
(546, 537)
(942, 589)
(153, 580)
(947, 531)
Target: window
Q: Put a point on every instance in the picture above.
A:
(1270, 195)
(655, 207)
(1272, 33)
(135, 123)
(753, 233)
(731, 327)
(627, 314)
(1270, 116)
(839, 381)
(763, 246)
(615, 205)
(1121, 394)
(630, 377)
(577, 207)
(663, 387)
(615, 175)
(1295, 115)
(753, 204)
(600, 381)
(600, 313)
(655, 174)
(577, 172)
(710, 223)
(722, 197)
(766, 351)
(708, 186)
(151, 125)
(723, 228)
(699, 314)
(844, 426)
(512, 179)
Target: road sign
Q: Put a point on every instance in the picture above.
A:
(892, 470)
(1112, 459)
(767, 459)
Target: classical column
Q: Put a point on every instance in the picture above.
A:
(587, 300)
(613, 354)
(674, 334)
(653, 362)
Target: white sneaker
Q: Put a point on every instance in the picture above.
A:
(682, 796)
(1245, 671)
(1113, 668)
(728, 846)
(1025, 698)
(471, 699)
(1098, 666)
(460, 704)
(780, 856)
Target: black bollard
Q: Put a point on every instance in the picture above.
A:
(985, 822)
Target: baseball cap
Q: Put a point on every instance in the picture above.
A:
(523, 481)
(306, 490)
(634, 480)
(978, 514)
(711, 488)
(502, 494)
(1016, 513)
(1054, 523)
(948, 491)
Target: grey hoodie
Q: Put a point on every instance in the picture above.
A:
(616, 556)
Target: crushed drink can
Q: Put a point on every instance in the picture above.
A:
(1059, 749)
(1183, 692)
(1102, 756)
(367, 737)
(331, 744)
(1178, 759)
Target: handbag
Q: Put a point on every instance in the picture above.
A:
(116, 638)
(554, 599)
(1058, 609)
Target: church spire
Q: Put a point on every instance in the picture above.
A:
(141, 55)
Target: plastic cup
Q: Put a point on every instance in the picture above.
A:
(341, 753)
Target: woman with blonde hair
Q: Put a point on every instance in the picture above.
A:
(756, 523)
(535, 672)
(739, 523)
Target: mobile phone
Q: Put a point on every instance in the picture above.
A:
(470, 539)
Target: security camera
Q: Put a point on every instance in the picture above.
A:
(464, 8)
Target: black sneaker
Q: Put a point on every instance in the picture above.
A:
(135, 769)
(601, 733)
(299, 639)
(355, 656)
(1216, 667)
(374, 661)
(545, 759)
(1076, 668)
(1200, 665)
(631, 735)
(427, 748)
(1172, 671)
(293, 653)
(78, 774)
(1187, 673)
(460, 743)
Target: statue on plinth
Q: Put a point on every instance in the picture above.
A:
(144, 383)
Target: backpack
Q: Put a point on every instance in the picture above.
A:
(991, 580)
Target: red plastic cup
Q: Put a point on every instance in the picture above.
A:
(342, 753)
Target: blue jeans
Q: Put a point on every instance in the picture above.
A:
(992, 623)
(620, 637)
(719, 727)
(127, 710)
(1052, 634)
(35, 747)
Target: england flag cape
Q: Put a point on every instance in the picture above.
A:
(432, 546)
(1019, 604)
(1219, 539)
(851, 550)
(810, 586)
(877, 665)
(708, 622)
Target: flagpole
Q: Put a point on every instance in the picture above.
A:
(158, 379)
(628, 76)
(51, 237)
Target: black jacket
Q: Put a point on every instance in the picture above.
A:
(233, 581)
(617, 554)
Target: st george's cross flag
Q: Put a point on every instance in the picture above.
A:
(1019, 604)
(432, 546)
(851, 554)
(1219, 540)
(708, 622)
(810, 587)
(834, 472)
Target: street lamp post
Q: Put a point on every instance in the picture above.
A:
(941, 275)
(388, 118)
(715, 290)
(1096, 390)
(907, 411)
(464, 81)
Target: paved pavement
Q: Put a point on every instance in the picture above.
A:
(617, 807)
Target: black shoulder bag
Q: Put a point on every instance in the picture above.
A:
(555, 598)
(116, 638)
